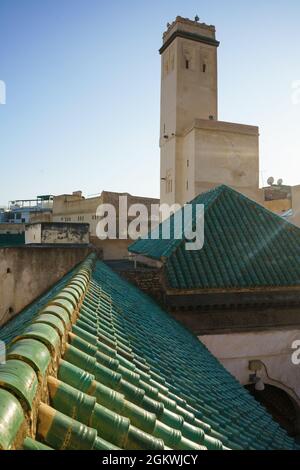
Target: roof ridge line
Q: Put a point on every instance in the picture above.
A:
(217, 191)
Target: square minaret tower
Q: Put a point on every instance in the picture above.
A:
(199, 152)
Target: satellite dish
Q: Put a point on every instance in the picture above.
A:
(197, 18)
(270, 181)
(279, 182)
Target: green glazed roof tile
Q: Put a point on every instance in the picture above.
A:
(45, 333)
(245, 245)
(32, 444)
(19, 378)
(11, 418)
(35, 353)
(130, 378)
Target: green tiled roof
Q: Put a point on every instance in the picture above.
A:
(245, 246)
(11, 239)
(102, 366)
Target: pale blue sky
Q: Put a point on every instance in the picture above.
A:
(83, 89)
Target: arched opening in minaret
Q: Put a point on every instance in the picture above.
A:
(280, 405)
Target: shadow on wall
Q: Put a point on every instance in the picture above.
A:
(281, 406)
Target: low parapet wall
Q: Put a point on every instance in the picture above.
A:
(27, 272)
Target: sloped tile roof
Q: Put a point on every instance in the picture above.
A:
(101, 366)
(245, 246)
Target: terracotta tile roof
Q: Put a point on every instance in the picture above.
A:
(245, 246)
(99, 365)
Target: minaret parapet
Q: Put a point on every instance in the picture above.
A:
(194, 27)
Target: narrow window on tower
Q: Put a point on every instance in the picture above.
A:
(187, 185)
(187, 163)
(187, 64)
(204, 68)
(169, 185)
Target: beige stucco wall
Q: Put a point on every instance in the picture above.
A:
(79, 217)
(226, 153)
(168, 103)
(66, 205)
(189, 184)
(211, 153)
(285, 203)
(278, 206)
(27, 272)
(40, 217)
(295, 219)
(76, 209)
(12, 228)
(187, 93)
(33, 234)
(112, 249)
(273, 348)
(169, 150)
(197, 92)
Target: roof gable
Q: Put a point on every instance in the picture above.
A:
(245, 245)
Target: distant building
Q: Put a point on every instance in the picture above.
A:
(56, 233)
(283, 200)
(6, 228)
(2, 215)
(75, 208)
(21, 211)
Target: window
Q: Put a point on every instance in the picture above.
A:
(187, 64)
(187, 163)
(204, 68)
(169, 185)
(187, 185)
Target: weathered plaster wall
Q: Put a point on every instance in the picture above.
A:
(295, 219)
(273, 348)
(112, 249)
(12, 228)
(278, 206)
(33, 233)
(27, 272)
(227, 153)
(57, 233)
